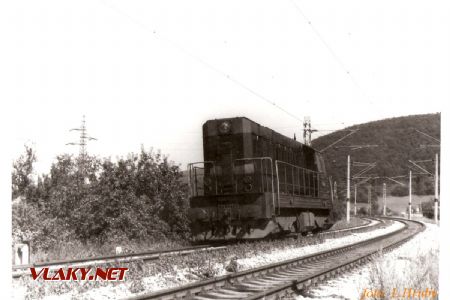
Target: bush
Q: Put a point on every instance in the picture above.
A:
(338, 211)
(134, 199)
(419, 273)
(399, 191)
(362, 211)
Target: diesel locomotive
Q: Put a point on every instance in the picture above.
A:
(255, 183)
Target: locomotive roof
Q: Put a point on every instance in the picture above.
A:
(268, 133)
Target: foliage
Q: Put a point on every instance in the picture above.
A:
(96, 201)
(171, 270)
(397, 141)
(375, 206)
(338, 211)
(362, 211)
(419, 269)
(399, 191)
(22, 183)
(428, 209)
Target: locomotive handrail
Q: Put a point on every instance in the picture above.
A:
(278, 186)
(190, 165)
(262, 174)
(306, 186)
(309, 170)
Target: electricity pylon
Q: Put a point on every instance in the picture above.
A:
(84, 138)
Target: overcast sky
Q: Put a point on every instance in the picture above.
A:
(152, 72)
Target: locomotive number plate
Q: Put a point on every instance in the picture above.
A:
(231, 210)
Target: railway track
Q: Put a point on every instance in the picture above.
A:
(283, 279)
(370, 224)
(21, 270)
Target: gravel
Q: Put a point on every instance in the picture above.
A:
(180, 276)
(399, 264)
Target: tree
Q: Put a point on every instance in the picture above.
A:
(22, 183)
(375, 205)
(138, 196)
(362, 211)
(400, 190)
(134, 198)
(397, 141)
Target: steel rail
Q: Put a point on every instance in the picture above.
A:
(21, 270)
(372, 224)
(299, 284)
(126, 257)
(236, 286)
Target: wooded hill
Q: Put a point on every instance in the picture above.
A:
(397, 140)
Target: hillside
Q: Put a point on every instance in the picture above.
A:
(400, 204)
(398, 141)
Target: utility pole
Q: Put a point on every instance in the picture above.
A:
(358, 175)
(348, 188)
(84, 138)
(331, 189)
(307, 131)
(436, 190)
(436, 176)
(424, 171)
(335, 190)
(356, 188)
(384, 199)
(410, 194)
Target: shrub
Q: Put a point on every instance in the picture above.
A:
(399, 191)
(132, 200)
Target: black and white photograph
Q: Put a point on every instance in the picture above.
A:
(247, 149)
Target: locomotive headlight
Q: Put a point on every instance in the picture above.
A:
(208, 183)
(248, 187)
(225, 127)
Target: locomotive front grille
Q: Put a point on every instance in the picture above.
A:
(227, 189)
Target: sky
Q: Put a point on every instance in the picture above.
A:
(152, 72)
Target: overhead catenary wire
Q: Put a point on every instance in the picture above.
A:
(429, 136)
(328, 47)
(198, 59)
(229, 77)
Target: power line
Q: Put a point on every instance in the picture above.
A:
(429, 136)
(328, 47)
(356, 147)
(367, 167)
(200, 60)
(416, 164)
(342, 138)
